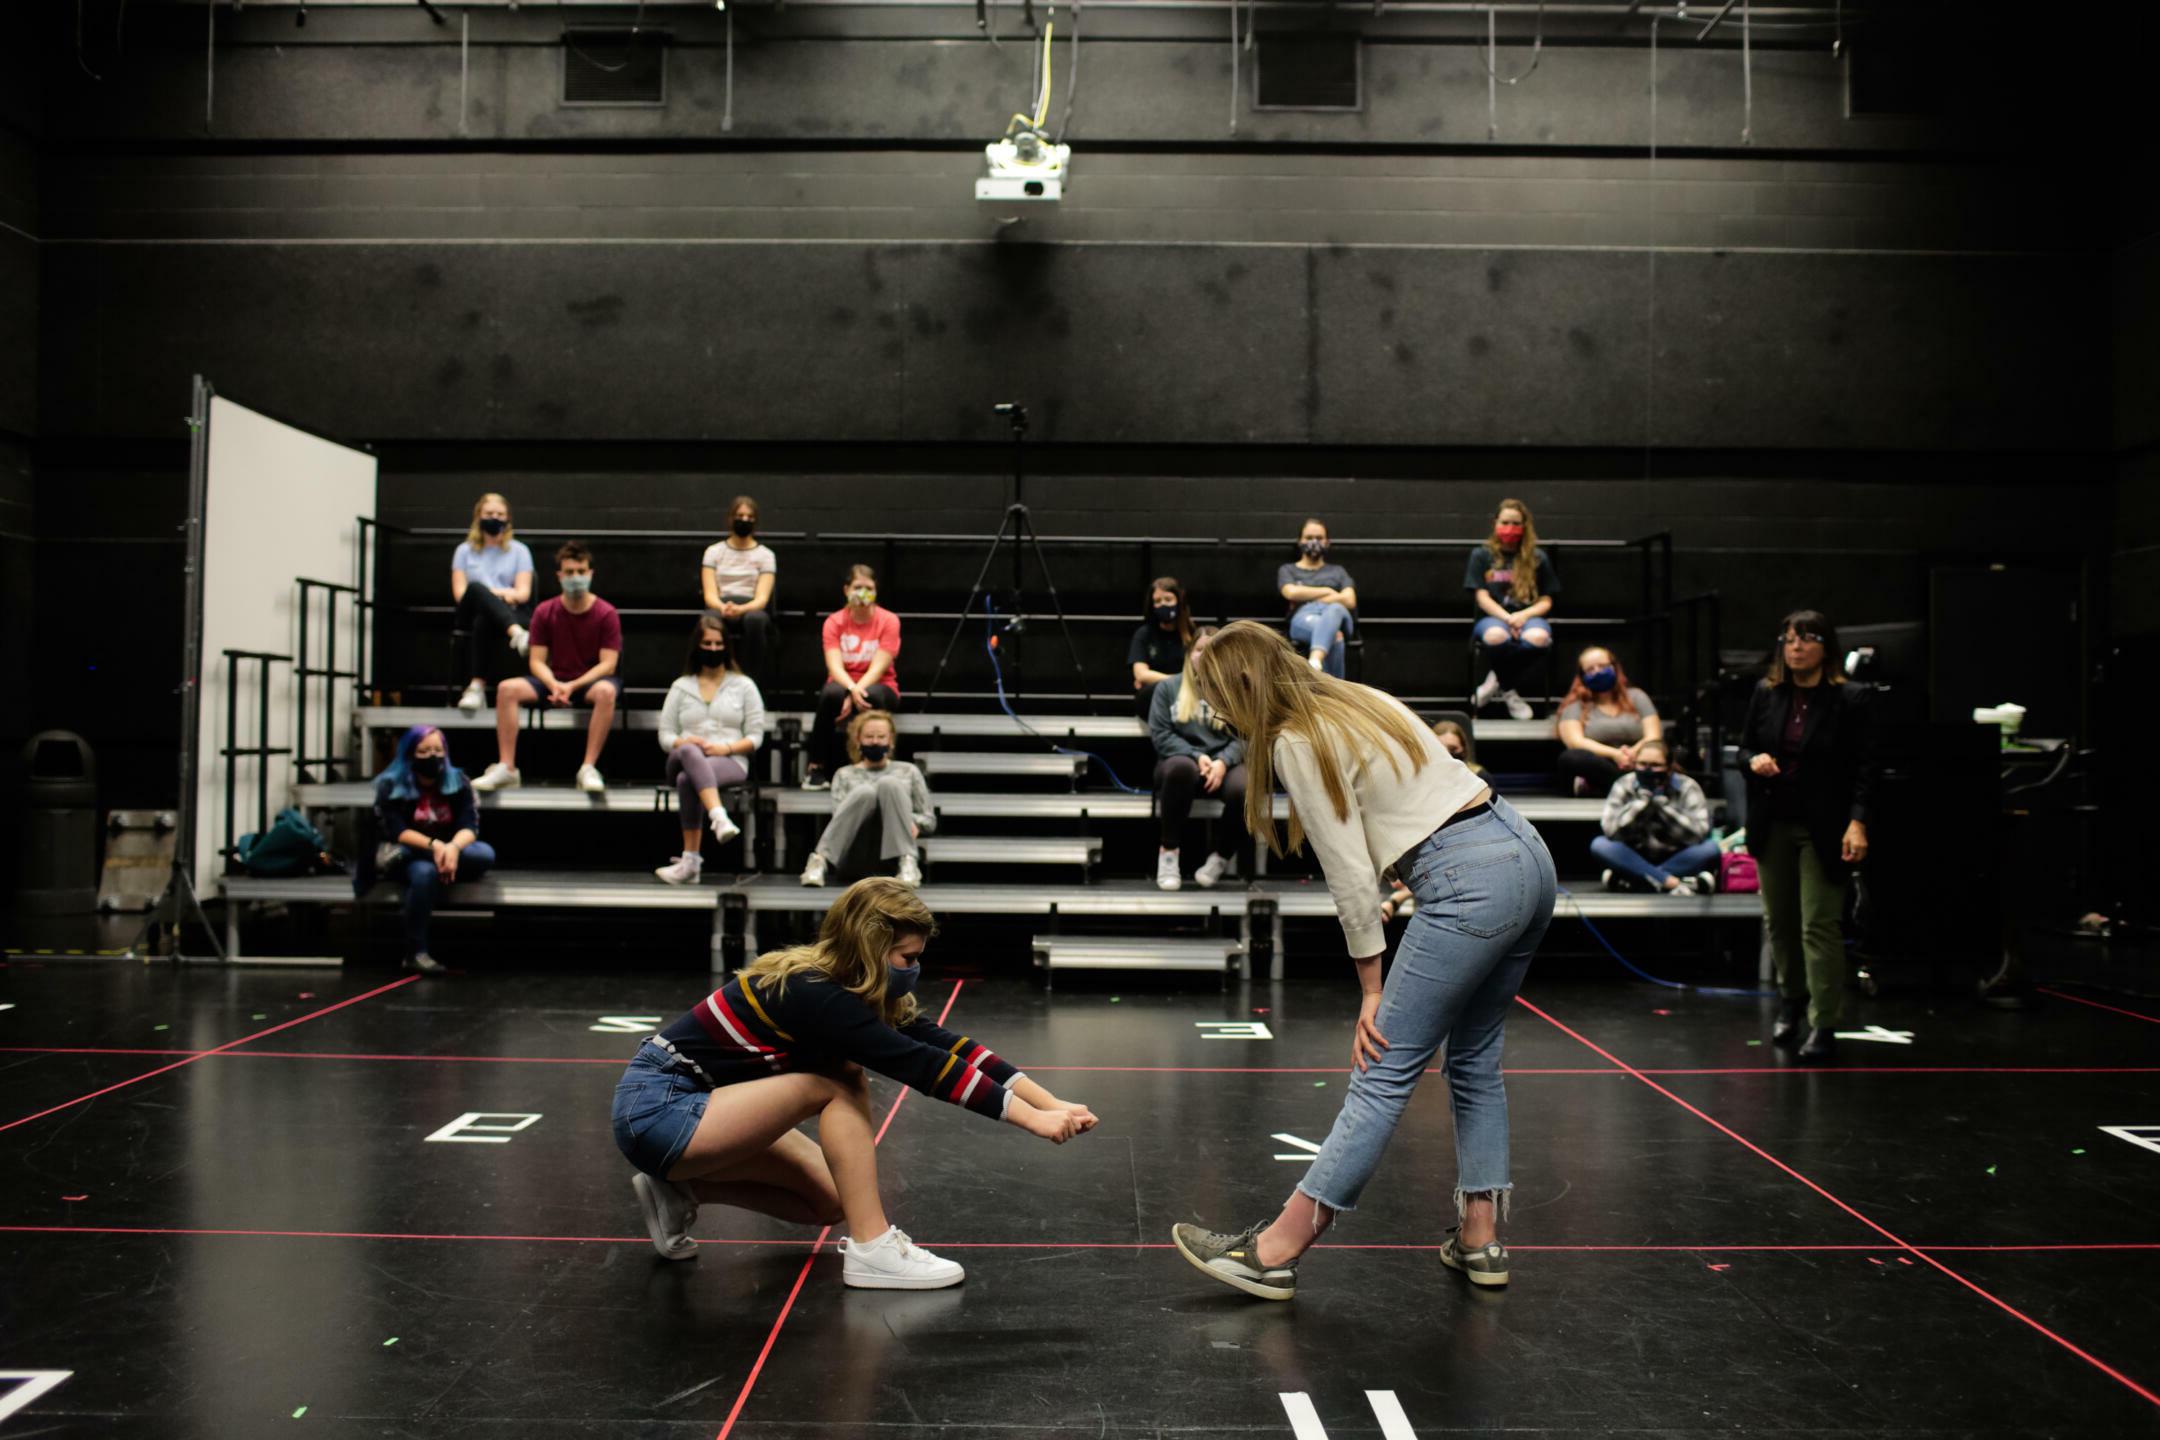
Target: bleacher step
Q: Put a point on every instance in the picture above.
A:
(1011, 850)
(990, 762)
(1091, 952)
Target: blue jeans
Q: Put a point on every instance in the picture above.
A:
(1507, 656)
(1316, 626)
(1621, 856)
(424, 887)
(1484, 889)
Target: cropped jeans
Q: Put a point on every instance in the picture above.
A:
(1484, 891)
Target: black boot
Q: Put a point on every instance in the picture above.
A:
(1821, 1044)
(1790, 1014)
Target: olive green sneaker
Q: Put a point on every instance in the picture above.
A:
(1235, 1260)
(1486, 1265)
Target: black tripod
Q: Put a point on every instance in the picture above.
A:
(1018, 530)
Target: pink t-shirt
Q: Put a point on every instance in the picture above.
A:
(858, 644)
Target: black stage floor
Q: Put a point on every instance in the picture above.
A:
(223, 1216)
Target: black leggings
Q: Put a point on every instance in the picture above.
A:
(485, 618)
(1177, 782)
(1599, 770)
(749, 635)
(827, 736)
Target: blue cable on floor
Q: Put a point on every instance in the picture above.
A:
(998, 670)
(1634, 969)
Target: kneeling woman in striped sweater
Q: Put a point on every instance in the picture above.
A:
(708, 1108)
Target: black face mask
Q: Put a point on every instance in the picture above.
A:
(744, 528)
(711, 659)
(428, 767)
(493, 526)
(1165, 615)
(1313, 549)
(876, 754)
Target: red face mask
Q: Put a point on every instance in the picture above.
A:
(1509, 536)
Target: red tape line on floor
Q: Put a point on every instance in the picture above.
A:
(2008, 1309)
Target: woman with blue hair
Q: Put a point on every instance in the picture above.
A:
(429, 823)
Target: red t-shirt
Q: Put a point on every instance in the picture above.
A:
(859, 644)
(574, 642)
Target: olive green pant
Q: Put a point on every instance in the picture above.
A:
(1804, 911)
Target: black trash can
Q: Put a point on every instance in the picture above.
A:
(60, 835)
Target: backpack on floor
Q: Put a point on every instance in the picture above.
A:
(291, 846)
(1736, 873)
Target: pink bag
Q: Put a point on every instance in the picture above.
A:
(1736, 873)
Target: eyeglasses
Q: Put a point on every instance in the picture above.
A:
(1801, 637)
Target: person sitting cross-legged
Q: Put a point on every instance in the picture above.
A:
(1657, 828)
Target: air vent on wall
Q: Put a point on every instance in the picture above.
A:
(614, 67)
(1308, 70)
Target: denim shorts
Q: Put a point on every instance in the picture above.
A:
(658, 1104)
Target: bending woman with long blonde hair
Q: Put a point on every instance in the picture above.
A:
(1374, 790)
(708, 1108)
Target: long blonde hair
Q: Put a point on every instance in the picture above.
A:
(1187, 708)
(476, 537)
(1262, 688)
(1524, 588)
(870, 917)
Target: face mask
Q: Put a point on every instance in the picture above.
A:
(900, 980)
(427, 767)
(576, 584)
(1653, 779)
(1313, 548)
(1509, 536)
(711, 659)
(1165, 614)
(493, 526)
(862, 597)
(743, 527)
(875, 754)
(1600, 679)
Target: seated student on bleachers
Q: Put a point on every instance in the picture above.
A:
(428, 824)
(862, 640)
(1513, 582)
(880, 790)
(1657, 828)
(737, 577)
(491, 579)
(576, 647)
(1602, 721)
(1194, 755)
(1158, 647)
(710, 725)
(1322, 599)
(1456, 741)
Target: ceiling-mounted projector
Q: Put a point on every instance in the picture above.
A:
(1024, 167)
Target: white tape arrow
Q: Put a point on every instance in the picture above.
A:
(1306, 1148)
(1877, 1033)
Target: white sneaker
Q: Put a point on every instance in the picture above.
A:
(1605, 878)
(814, 872)
(497, 777)
(474, 697)
(1316, 662)
(682, 870)
(589, 781)
(1703, 884)
(670, 1210)
(724, 828)
(1517, 707)
(910, 870)
(1216, 867)
(520, 641)
(894, 1262)
(1166, 871)
(1486, 690)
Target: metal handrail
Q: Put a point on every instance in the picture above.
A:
(261, 750)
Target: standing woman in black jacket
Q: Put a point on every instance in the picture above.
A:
(1810, 786)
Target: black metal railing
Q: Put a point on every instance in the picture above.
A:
(305, 674)
(261, 751)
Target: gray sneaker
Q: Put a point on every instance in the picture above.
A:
(1484, 1266)
(1235, 1260)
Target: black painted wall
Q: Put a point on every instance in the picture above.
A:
(1821, 360)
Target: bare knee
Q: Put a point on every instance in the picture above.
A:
(1539, 638)
(1495, 637)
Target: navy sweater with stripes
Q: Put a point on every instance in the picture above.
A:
(737, 1034)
